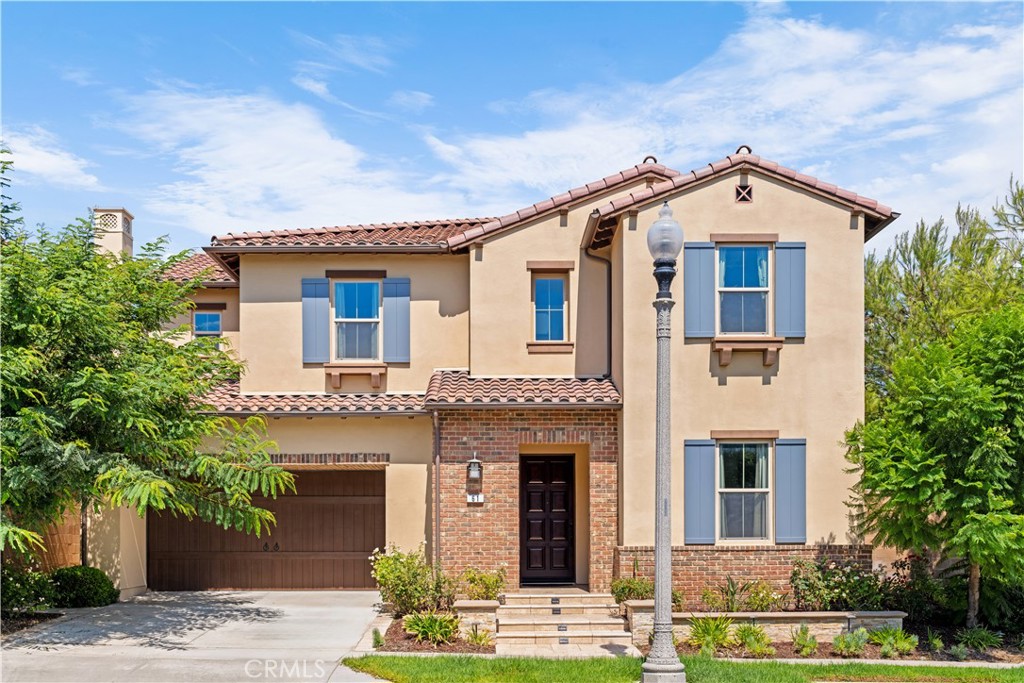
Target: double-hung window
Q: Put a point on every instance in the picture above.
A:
(206, 323)
(743, 289)
(357, 320)
(549, 308)
(743, 488)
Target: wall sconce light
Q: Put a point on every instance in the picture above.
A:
(474, 468)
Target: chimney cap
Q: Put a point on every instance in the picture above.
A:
(114, 210)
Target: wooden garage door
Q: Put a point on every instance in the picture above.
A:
(323, 539)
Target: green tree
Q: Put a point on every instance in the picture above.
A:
(940, 458)
(101, 406)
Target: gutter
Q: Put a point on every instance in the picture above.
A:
(527, 404)
(357, 249)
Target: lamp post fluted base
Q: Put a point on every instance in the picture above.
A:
(662, 673)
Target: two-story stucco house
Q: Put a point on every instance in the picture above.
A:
(485, 386)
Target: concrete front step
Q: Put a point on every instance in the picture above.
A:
(572, 623)
(558, 599)
(609, 609)
(549, 638)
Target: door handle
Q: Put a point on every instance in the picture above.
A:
(266, 547)
(276, 547)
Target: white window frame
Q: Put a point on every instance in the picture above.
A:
(769, 323)
(220, 324)
(564, 277)
(769, 528)
(336, 321)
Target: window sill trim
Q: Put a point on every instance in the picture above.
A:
(768, 346)
(337, 369)
(549, 347)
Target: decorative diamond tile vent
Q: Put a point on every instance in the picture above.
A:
(106, 221)
(563, 641)
(556, 610)
(744, 194)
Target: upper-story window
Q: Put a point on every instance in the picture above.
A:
(357, 320)
(743, 489)
(207, 324)
(549, 307)
(743, 289)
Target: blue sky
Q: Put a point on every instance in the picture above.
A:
(205, 118)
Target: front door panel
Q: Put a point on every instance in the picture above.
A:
(546, 511)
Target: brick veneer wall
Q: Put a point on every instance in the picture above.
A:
(695, 567)
(486, 536)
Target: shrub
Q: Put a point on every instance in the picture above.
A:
(755, 641)
(913, 588)
(711, 633)
(479, 636)
(83, 587)
(408, 583)
(828, 585)
(979, 638)
(804, 641)
(887, 650)
(850, 644)
(378, 639)
(437, 628)
(729, 597)
(958, 652)
(24, 590)
(638, 588)
(895, 640)
(764, 598)
(480, 584)
(935, 643)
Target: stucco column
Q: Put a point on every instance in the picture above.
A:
(662, 664)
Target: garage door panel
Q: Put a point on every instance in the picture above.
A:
(324, 535)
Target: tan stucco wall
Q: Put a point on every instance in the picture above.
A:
(229, 316)
(271, 315)
(502, 305)
(409, 441)
(117, 545)
(815, 391)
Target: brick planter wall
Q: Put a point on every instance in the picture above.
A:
(694, 567)
(486, 536)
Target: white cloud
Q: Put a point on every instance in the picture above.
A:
(79, 76)
(411, 100)
(39, 158)
(917, 125)
(363, 52)
(249, 161)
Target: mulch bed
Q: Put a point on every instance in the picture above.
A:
(397, 640)
(12, 623)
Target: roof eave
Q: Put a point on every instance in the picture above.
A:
(320, 413)
(521, 404)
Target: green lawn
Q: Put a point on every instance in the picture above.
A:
(520, 669)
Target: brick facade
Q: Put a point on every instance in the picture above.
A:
(486, 536)
(695, 567)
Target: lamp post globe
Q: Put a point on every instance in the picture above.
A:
(665, 241)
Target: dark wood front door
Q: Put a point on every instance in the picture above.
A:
(547, 553)
(324, 536)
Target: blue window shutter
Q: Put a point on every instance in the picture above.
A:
(396, 319)
(790, 491)
(699, 492)
(699, 289)
(316, 318)
(790, 289)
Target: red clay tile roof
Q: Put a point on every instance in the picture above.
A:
(882, 213)
(457, 388)
(411, 234)
(534, 210)
(195, 265)
(227, 400)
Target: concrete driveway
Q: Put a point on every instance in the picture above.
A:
(210, 636)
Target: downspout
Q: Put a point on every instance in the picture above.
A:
(608, 307)
(437, 490)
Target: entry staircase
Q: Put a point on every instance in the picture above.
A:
(558, 619)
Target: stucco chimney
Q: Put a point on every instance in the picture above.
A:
(113, 230)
